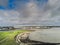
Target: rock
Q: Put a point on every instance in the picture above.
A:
(22, 38)
(43, 37)
(46, 36)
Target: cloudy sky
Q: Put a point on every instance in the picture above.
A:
(29, 12)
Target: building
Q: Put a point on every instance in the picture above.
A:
(35, 27)
(7, 28)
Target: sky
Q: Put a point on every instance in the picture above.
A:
(30, 12)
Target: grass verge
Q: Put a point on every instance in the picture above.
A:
(8, 37)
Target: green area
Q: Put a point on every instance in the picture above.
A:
(7, 37)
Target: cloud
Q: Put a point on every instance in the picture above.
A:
(3, 2)
(33, 13)
(9, 17)
(48, 14)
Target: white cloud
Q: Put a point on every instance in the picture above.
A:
(34, 14)
(9, 16)
(46, 14)
(3, 3)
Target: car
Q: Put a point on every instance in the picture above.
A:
(40, 37)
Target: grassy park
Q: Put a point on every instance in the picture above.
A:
(7, 37)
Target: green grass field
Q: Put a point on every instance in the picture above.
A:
(7, 37)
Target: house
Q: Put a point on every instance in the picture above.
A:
(36, 27)
(7, 28)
